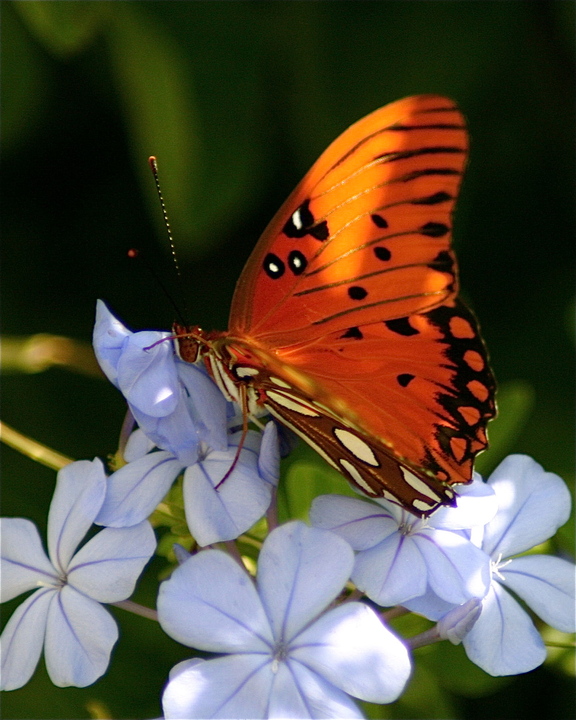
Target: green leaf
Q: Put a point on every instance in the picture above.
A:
(306, 478)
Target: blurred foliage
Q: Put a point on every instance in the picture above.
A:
(237, 100)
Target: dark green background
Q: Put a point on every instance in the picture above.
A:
(237, 99)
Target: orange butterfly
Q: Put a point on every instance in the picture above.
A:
(345, 324)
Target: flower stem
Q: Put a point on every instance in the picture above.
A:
(137, 609)
(33, 449)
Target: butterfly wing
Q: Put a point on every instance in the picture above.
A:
(421, 384)
(350, 295)
(366, 235)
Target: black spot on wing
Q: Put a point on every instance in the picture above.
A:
(382, 253)
(273, 266)
(444, 262)
(378, 220)
(302, 223)
(434, 229)
(404, 379)
(354, 333)
(356, 292)
(427, 150)
(401, 326)
(297, 262)
(428, 171)
(434, 199)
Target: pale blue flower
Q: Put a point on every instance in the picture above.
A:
(215, 510)
(64, 615)
(401, 557)
(533, 504)
(282, 655)
(175, 403)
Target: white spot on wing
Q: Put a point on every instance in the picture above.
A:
(303, 435)
(295, 405)
(279, 382)
(419, 485)
(226, 385)
(357, 446)
(355, 474)
(297, 220)
(422, 505)
(242, 372)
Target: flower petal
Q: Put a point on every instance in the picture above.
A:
(205, 403)
(108, 566)
(134, 491)
(392, 572)
(299, 692)
(109, 339)
(175, 433)
(300, 571)
(504, 640)
(214, 515)
(23, 562)
(22, 639)
(532, 504)
(361, 523)
(137, 446)
(269, 457)
(79, 494)
(147, 373)
(477, 505)
(352, 649)
(237, 686)
(80, 635)
(546, 584)
(457, 569)
(458, 622)
(210, 603)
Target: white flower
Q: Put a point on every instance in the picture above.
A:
(401, 557)
(284, 657)
(215, 510)
(64, 614)
(533, 504)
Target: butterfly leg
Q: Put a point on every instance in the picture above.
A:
(243, 402)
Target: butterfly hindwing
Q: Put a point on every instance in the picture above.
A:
(365, 461)
(420, 384)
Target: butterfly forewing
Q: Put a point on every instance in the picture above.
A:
(364, 235)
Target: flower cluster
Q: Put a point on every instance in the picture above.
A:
(293, 641)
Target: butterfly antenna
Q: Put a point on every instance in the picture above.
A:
(154, 167)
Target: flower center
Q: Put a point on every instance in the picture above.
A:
(410, 525)
(280, 655)
(497, 565)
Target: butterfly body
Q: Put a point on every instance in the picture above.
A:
(345, 324)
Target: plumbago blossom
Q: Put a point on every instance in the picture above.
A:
(290, 641)
(283, 657)
(183, 418)
(64, 613)
(464, 553)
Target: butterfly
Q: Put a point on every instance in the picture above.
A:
(345, 323)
